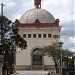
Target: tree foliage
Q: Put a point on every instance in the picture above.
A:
(54, 51)
(19, 41)
(5, 22)
(9, 44)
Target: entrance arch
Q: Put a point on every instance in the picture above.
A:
(37, 57)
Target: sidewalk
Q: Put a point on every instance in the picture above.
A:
(52, 73)
(14, 73)
(33, 72)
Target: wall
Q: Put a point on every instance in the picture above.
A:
(24, 57)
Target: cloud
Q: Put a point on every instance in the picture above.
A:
(69, 42)
(5, 1)
(10, 5)
(65, 17)
(68, 29)
(62, 9)
(15, 15)
(68, 32)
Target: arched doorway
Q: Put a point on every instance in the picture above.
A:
(37, 59)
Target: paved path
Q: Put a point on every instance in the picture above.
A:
(32, 72)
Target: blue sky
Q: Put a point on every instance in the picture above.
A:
(62, 9)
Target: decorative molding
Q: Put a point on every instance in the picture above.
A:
(37, 24)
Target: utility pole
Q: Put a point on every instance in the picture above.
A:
(1, 24)
(2, 8)
(1, 35)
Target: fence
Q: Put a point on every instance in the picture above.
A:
(7, 70)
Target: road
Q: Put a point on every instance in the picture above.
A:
(32, 72)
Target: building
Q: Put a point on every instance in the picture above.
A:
(38, 27)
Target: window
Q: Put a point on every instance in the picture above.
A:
(24, 35)
(29, 35)
(44, 35)
(49, 35)
(55, 36)
(39, 35)
(34, 35)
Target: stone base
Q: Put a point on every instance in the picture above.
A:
(23, 67)
(49, 67)
(35, 67)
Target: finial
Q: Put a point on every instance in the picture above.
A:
(37, 3)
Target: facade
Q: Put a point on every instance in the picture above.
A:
(39, 28)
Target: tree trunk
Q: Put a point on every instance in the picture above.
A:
(0, 68)
(56, 67)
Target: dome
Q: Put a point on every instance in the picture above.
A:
(41, 14)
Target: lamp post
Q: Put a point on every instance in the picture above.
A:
(74, 58)
(74, 61)
(60, 46)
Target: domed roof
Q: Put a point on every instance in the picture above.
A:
(41, 14)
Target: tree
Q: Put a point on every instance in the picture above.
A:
(68, 59)
(52, 51)
(4, 27)
(9, 44)
(67, 53)
(55, 52)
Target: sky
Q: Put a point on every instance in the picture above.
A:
(62, 9)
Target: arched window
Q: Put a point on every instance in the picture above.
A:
(37, 57)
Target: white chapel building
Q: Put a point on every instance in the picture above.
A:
(39, 28)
